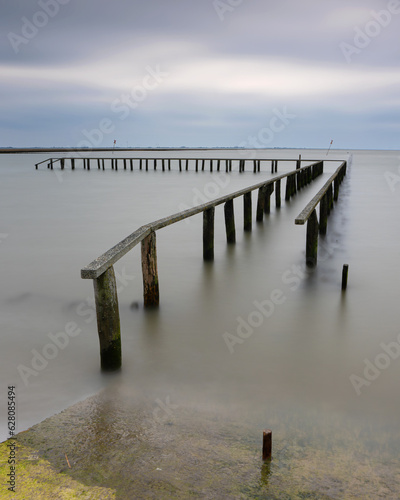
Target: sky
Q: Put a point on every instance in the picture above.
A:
(200, 73)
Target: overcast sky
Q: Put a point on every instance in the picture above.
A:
(255, 73)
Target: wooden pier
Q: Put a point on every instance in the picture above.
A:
(168, 164)
(325, 198)
(101, 270)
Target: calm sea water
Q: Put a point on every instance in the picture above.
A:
(306, 355)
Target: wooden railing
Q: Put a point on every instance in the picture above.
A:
(325, 197)
(101, 270)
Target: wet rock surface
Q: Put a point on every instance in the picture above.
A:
(120, 446)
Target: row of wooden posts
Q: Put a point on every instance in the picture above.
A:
(325, 198)
(164, 164)
(102, 272)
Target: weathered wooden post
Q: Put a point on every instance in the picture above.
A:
(278, 193)
(267, 203)
(218, 165)
(203, 162)
(211, 165)
(151, 294)
(124, 163)
(336, 188)
(267, 444)
(187, 165)
(312, 240)
(276, 166)
(259, 165)
(288, 187)
(102, 164)
(208, 234)
(147, 164)
(255, 166)
(197, 164)
(272, 166)
(247, 211)
(140, 163)
(180, 165)
(230, 222)
(98, 164)
(88, 163)
(323, 214)
(345, 273)
(169, 163)
(108, 323)
(155, 163)
(131, 164)
(261, 203)
(116, 163)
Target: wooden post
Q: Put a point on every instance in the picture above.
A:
(276, 166)
(169, 163)
(218, 165)
(98, 164)
(287, 194)
(345, 273)
(187, 165)
(102, 164)
(312, 240)
(255, 166)
(108, 323)
(197, 165)
(247, 211)
(151, 294)
(211, 165)
(260, 203)
(131, 164)
(278, 193)
(140, 163)
(155, 163)
(62, 161)
(267, 444)
(180, 165)
(88, 163)
(203, 164)
(147, 164)
(323, 214)
(272, 166)
(124, 163)
(230, 222)
(267, 203)
(208, 234)
(336, 188)
(116, 163)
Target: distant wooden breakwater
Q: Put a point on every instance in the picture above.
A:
(101, 270)
(167, 164)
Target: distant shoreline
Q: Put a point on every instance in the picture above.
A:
(88, 150)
